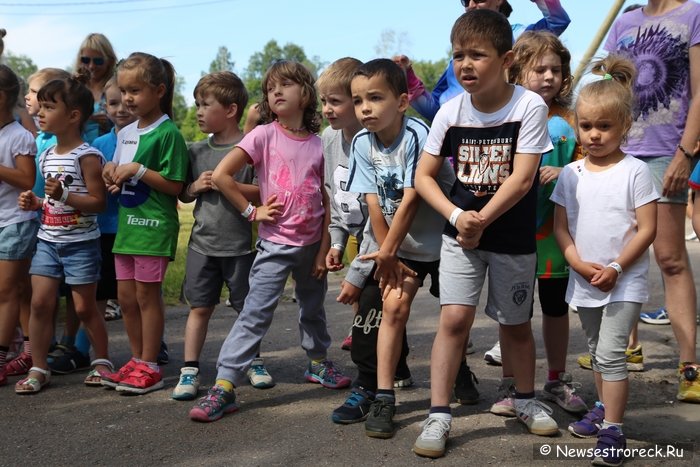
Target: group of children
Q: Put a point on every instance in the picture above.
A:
(485, 170)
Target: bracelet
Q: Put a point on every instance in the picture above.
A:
(248, 210)
(338, 246)
(455, 214)
(253, 213)
(616, 267)
(685, 152)
(64, 193)
(140, 173)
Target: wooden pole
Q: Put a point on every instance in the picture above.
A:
(595, 43)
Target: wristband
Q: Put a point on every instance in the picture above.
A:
(455, 214)
(253, 213)
(140, 173)
(616, 267)
(64, 193)
(687, 153)
(338, 246)
(248, 210)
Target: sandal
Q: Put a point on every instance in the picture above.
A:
(94, 378)
(33, 382)
(113, 311)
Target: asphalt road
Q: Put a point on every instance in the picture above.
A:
(71, 424)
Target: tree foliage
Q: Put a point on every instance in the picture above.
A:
(223, 61)
(179, 102)
(391, 43)
(20, 64)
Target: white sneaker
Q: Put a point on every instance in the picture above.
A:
(258, 376)
(188, 386)
(535, 415)
(432, 440)
(493, 356)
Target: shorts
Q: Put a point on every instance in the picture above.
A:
(18, 241)
(107, 287)
(205, 275)
(76, 262)
(552, 294)
(423, 269)
(657, 167)
(140, 268)
(511, 281)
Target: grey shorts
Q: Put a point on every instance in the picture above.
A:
(511, 281)
(657, 167)
(206, 275)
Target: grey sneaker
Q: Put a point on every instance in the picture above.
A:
(563, 393)
(536, 416)
(188, 385)
(432, 440)
(380, 421)
(258, 376)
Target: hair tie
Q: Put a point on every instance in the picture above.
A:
(607, 76)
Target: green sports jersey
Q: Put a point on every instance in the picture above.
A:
(148, 219)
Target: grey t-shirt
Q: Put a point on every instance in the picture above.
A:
(219, 229)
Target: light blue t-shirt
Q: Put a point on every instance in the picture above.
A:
(108, 219)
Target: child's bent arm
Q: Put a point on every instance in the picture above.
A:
(251, 192)
(156, 181)
(23, 175)
(320, 268)
(223, 178)
(512, 190)
(28, 201)
(95, 198)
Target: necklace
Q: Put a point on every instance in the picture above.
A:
(293, 130)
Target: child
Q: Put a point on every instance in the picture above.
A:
(662, 39)
(18, 229)
(605, 221)
(348, 219)
(541, 64)
(293, 233)
(495, 134)
(149, 166)
(382, 167)
(219, 252)
(68, 246)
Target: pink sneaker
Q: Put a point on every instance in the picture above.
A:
(143, 379)
(20, 365)
(112, 380)
(347, 343)
(504, 405)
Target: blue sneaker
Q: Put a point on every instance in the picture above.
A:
(214, 405)
(659, 316)
(610, 447)
(589, 425)
(327, 375)
(355, 408)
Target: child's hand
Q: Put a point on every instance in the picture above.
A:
(270, 211)
(53, 187)
(587, 270)
(605, 279)
(349, 294)
(470, 223)
(319, 269)
(28, 201)
(403, 61)
(334, 259)
(549, 174)
(390, 271)
(108, 175)
(469, 242)
(202, 184)
(124, 172)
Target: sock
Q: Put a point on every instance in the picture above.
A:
(225, 384)
(82, 342)
(524, 395)
(192, 364)
(553, 375)
(387, 395)
(607, 424)
(444, 412)
(3, 355)
(152, 365)
(27, 346)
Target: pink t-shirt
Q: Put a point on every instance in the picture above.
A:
(292, 169)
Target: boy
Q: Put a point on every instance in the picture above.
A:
(383, 164)
(495, 133)
(349, 217)
(219, 250)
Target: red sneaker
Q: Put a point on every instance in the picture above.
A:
(347, 343)
(141, 380)
(20, 365)
(112, 380)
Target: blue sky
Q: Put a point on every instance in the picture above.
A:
(189, 32)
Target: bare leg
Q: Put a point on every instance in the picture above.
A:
(196, 332)
(152, 311)
(131, 315)
(518, 343)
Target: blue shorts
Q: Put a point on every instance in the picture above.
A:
(78, 262)
(657, 167)
(17, 241)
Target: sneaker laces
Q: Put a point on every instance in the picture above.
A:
(213, 398)
(355, 399)
(187, 379)
(536, 409)
(259, 370)
(434, 428)
(327, 370)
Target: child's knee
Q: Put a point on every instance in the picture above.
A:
(518, 333)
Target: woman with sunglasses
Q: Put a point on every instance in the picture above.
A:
(554, 19)
(97, 56)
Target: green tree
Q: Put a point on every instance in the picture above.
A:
(179, 102)
(20, 64)
(429, 72)
(222, 62)
(190, 128)
(391, 43)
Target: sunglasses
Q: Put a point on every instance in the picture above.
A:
(466, 2)
(98, 61)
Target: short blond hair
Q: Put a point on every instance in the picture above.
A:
(338, 76)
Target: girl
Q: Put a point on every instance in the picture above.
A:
(17, 228)
(542, 65)
(293, 233)
(68, 245)
(97, 56)
(149, 166)
(604, 222)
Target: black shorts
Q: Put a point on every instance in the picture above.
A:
(423, 269)
(107, 286)
(552, 296)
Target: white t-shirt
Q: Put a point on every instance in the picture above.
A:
(600, 209)
(14, 141)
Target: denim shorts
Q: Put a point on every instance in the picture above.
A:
(17, 241)
(78, 262)
(657, 167)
